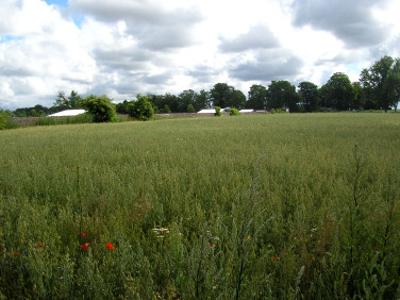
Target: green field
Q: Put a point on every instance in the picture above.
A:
(282, 206)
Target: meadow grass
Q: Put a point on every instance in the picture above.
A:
(282, 206)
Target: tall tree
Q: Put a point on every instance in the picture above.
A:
(257, 97)
(186, 98)
(379, 83)
(308, 96)
(238, 99)
(221, 94)
(202, 100)
(359, 97)
(72, 101)
(338, 92)
(282, 94)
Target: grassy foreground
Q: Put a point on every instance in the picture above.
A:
(250, 207)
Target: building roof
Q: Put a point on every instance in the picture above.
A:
(68, 113)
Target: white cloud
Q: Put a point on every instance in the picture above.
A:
(126, 47)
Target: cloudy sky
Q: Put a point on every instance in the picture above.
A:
(124, 47)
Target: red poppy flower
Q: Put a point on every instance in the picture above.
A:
(85, 246)
(83, 234)
(110, 246)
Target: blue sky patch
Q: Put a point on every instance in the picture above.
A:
(9, 38)
(57, 2)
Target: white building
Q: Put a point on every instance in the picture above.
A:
(209, 111)
(69, 113)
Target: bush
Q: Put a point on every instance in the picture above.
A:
(234, 112)
(6, 121)
(166, 109)
(190, 108)
(141, 109)
(101, 108)
(278, 111)
(217, 111)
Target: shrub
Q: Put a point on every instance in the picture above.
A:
(6, 121)
(141, 109)
(278, 111)
(190, 108)
(101, 108)
(234, 112)
(217, 111)
(166, 109)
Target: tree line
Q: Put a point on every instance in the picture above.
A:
(378, 88)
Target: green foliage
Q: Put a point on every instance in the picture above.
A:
(46, 121)
(381, 83)
(217, 111)
(309, 96)
(282, 94)
(101, 108)
(6, 121)
(166, 109)
(190, 108)
(224, 95)
(234, 112)
(142, 109)
(286, 207)
(258, 96)
(338, 92)
(73, 101)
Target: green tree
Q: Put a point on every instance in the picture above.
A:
(221, 94)
(101, 108)
(238, 99)
(166, 109)
(282, 94)
(380, 84)
(359, 99)
(309, 96)
(186, 98)
(338, 92)
(72, 101)
(257, 97)
(190, 108)
(123, 107)
(142, 108)
(201, 100)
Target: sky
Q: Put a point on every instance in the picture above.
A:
(125, 47)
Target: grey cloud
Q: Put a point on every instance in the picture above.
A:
(122, 59)
(159, 79)
(351, 21)
(202, 73)
(15, 71)
(155, 27)
(258, 37)
(267, 67)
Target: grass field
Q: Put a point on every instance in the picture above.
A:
(283, 206)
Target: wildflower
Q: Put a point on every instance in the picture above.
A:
(85, 247)
(15, 253)
(39, 245)
(110, 246)
(83, 234)
(275, 258)
(160, 232)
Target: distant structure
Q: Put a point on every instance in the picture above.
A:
(246, 111)
(209, 111)
(69, 113)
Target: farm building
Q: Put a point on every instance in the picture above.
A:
(208, 111)
(68, 113)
